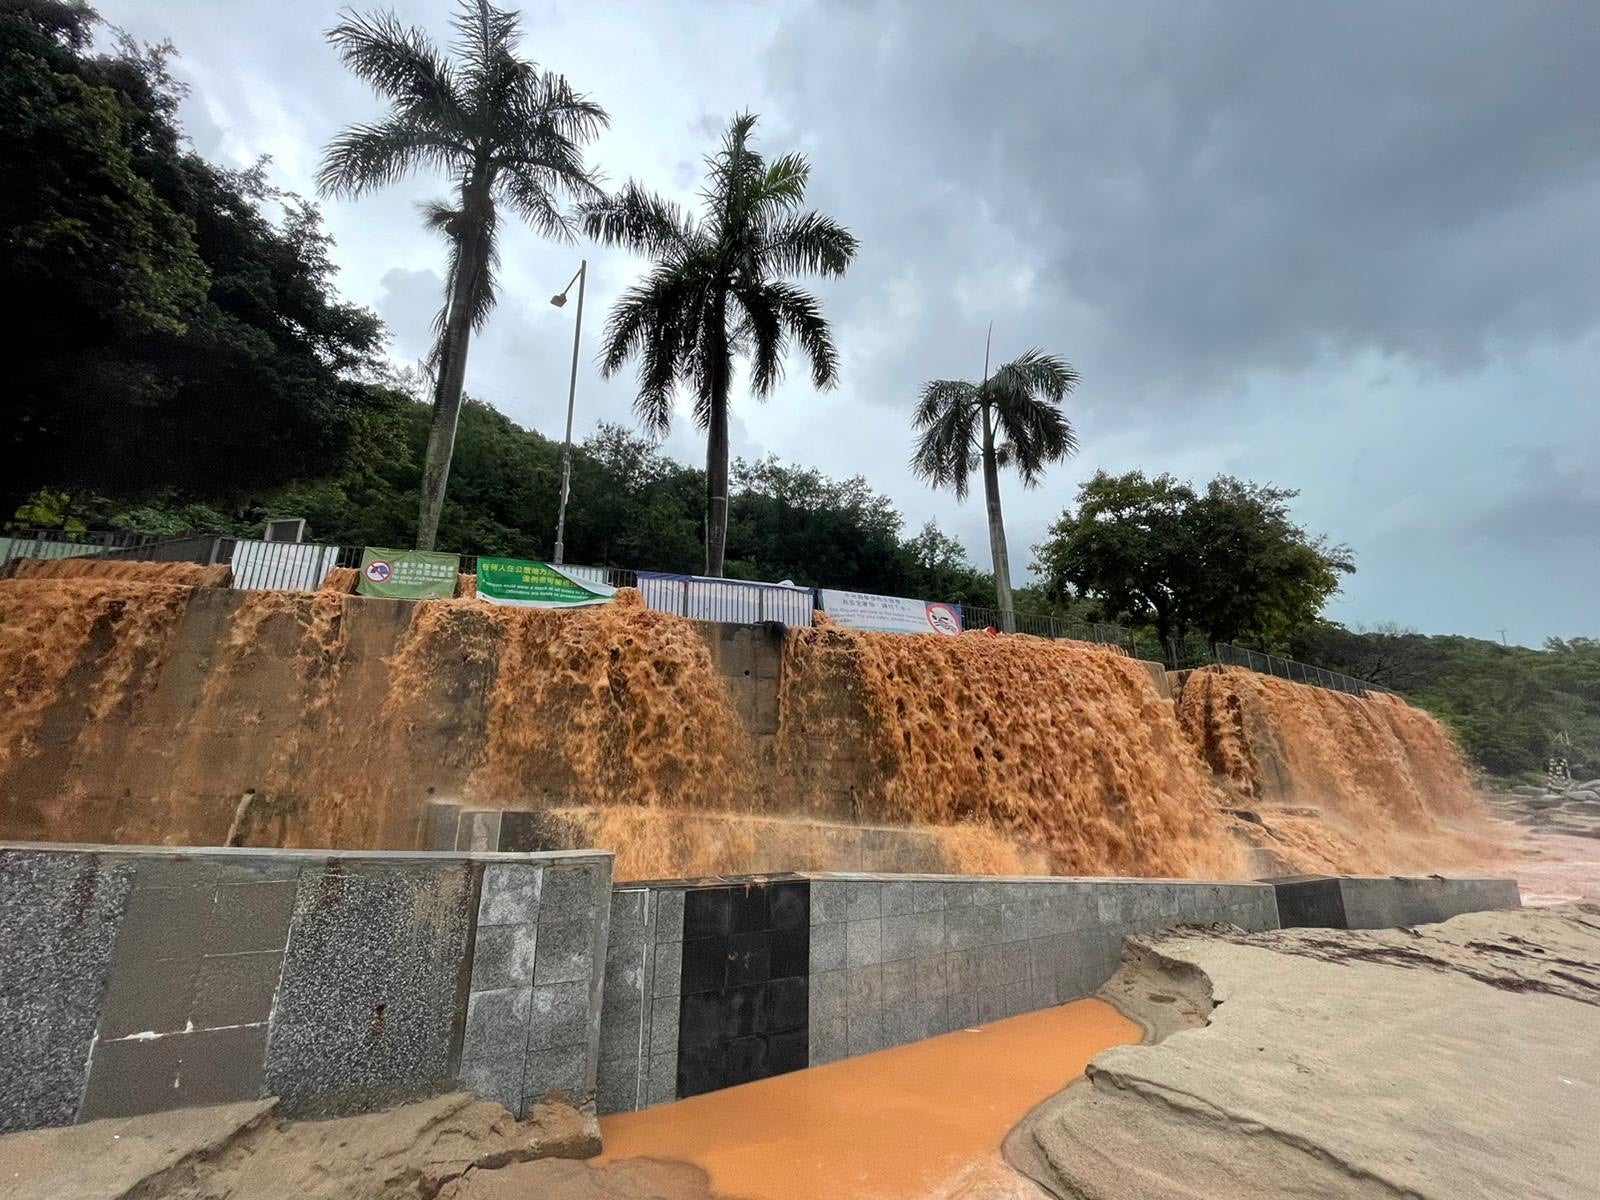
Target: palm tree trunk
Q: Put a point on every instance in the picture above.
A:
(997, 530)
(717, 454)
(448, 390)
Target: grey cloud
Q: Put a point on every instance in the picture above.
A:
(1244, 184)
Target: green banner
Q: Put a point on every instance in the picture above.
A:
(536, 585)
(408, 574)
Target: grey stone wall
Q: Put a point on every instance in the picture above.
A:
(143, 979)
(896, 959)
(639, 1018)
(1386, 902)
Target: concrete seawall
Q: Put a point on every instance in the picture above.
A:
(139, 979)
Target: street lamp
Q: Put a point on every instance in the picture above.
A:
(560, 299)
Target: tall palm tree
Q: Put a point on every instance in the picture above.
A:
(502, 130)
(1012, 418)
(718, 290)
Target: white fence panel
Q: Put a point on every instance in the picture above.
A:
(285, 566)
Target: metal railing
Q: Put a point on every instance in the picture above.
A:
(1193, 652)
(60, 543)
(977, 616)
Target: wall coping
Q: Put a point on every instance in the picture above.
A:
(305, 855)
(889, 877)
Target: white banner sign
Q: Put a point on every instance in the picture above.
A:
(893, 614)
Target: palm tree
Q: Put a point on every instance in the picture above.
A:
(502, 130)
(718, 289)
(1012, 418)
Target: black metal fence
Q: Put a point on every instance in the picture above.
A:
(977, 616)
(1193, 652)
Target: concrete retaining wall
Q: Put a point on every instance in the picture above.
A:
(143, 979)
(712, 983)
(1386, 901)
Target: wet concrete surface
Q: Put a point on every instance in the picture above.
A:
(921, 1120)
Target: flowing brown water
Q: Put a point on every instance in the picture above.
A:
(1065, 745)
(1373, 783)
(140, 705)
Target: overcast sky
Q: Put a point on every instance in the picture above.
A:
(1351, 248)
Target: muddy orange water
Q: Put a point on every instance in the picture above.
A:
(138, 703)
(1345, 783)
(900, 1123)
(1066, 745)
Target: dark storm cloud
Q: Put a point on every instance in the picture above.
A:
(1243, 184)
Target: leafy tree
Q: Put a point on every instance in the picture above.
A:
(504, 131)
(176, 343)
(1229, 563)
(718, 289)
(1012, 418)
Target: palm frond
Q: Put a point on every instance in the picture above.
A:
(783, 186)
(485, 35)
(452, 222)
(528, 191)
(810, 243)
(400, 62)
(1026, 395)
(638, 220)
(1036, 373)
(801, 315)
(365, 157)
(947, 415)
(761, 333)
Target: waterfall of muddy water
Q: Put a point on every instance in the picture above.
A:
(108, 635)
(180, 574)
(1368, 782)
(624, 701)
(1064, 746)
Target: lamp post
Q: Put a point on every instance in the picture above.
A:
(559, 299)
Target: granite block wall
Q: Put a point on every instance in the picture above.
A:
(711, 992)
(1386, 902)
(896, 959)
(144, 979)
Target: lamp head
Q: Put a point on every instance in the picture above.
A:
(559, 299)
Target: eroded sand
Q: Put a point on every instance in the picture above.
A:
(1448, 1061)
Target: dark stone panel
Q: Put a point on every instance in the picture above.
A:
(747, 1061)
(705, 965)
(235, 989)
(1385, 902)
(790, 904)
(707, 912)
(59, 914)
(791, 952)
(250, 917)
(701, 1069)
(745, 1002)
(788, 1051)
(1309, 902)
(367, 1011)
(149, 995)
(749, 958)
(786, 1003)
(214, 1066)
